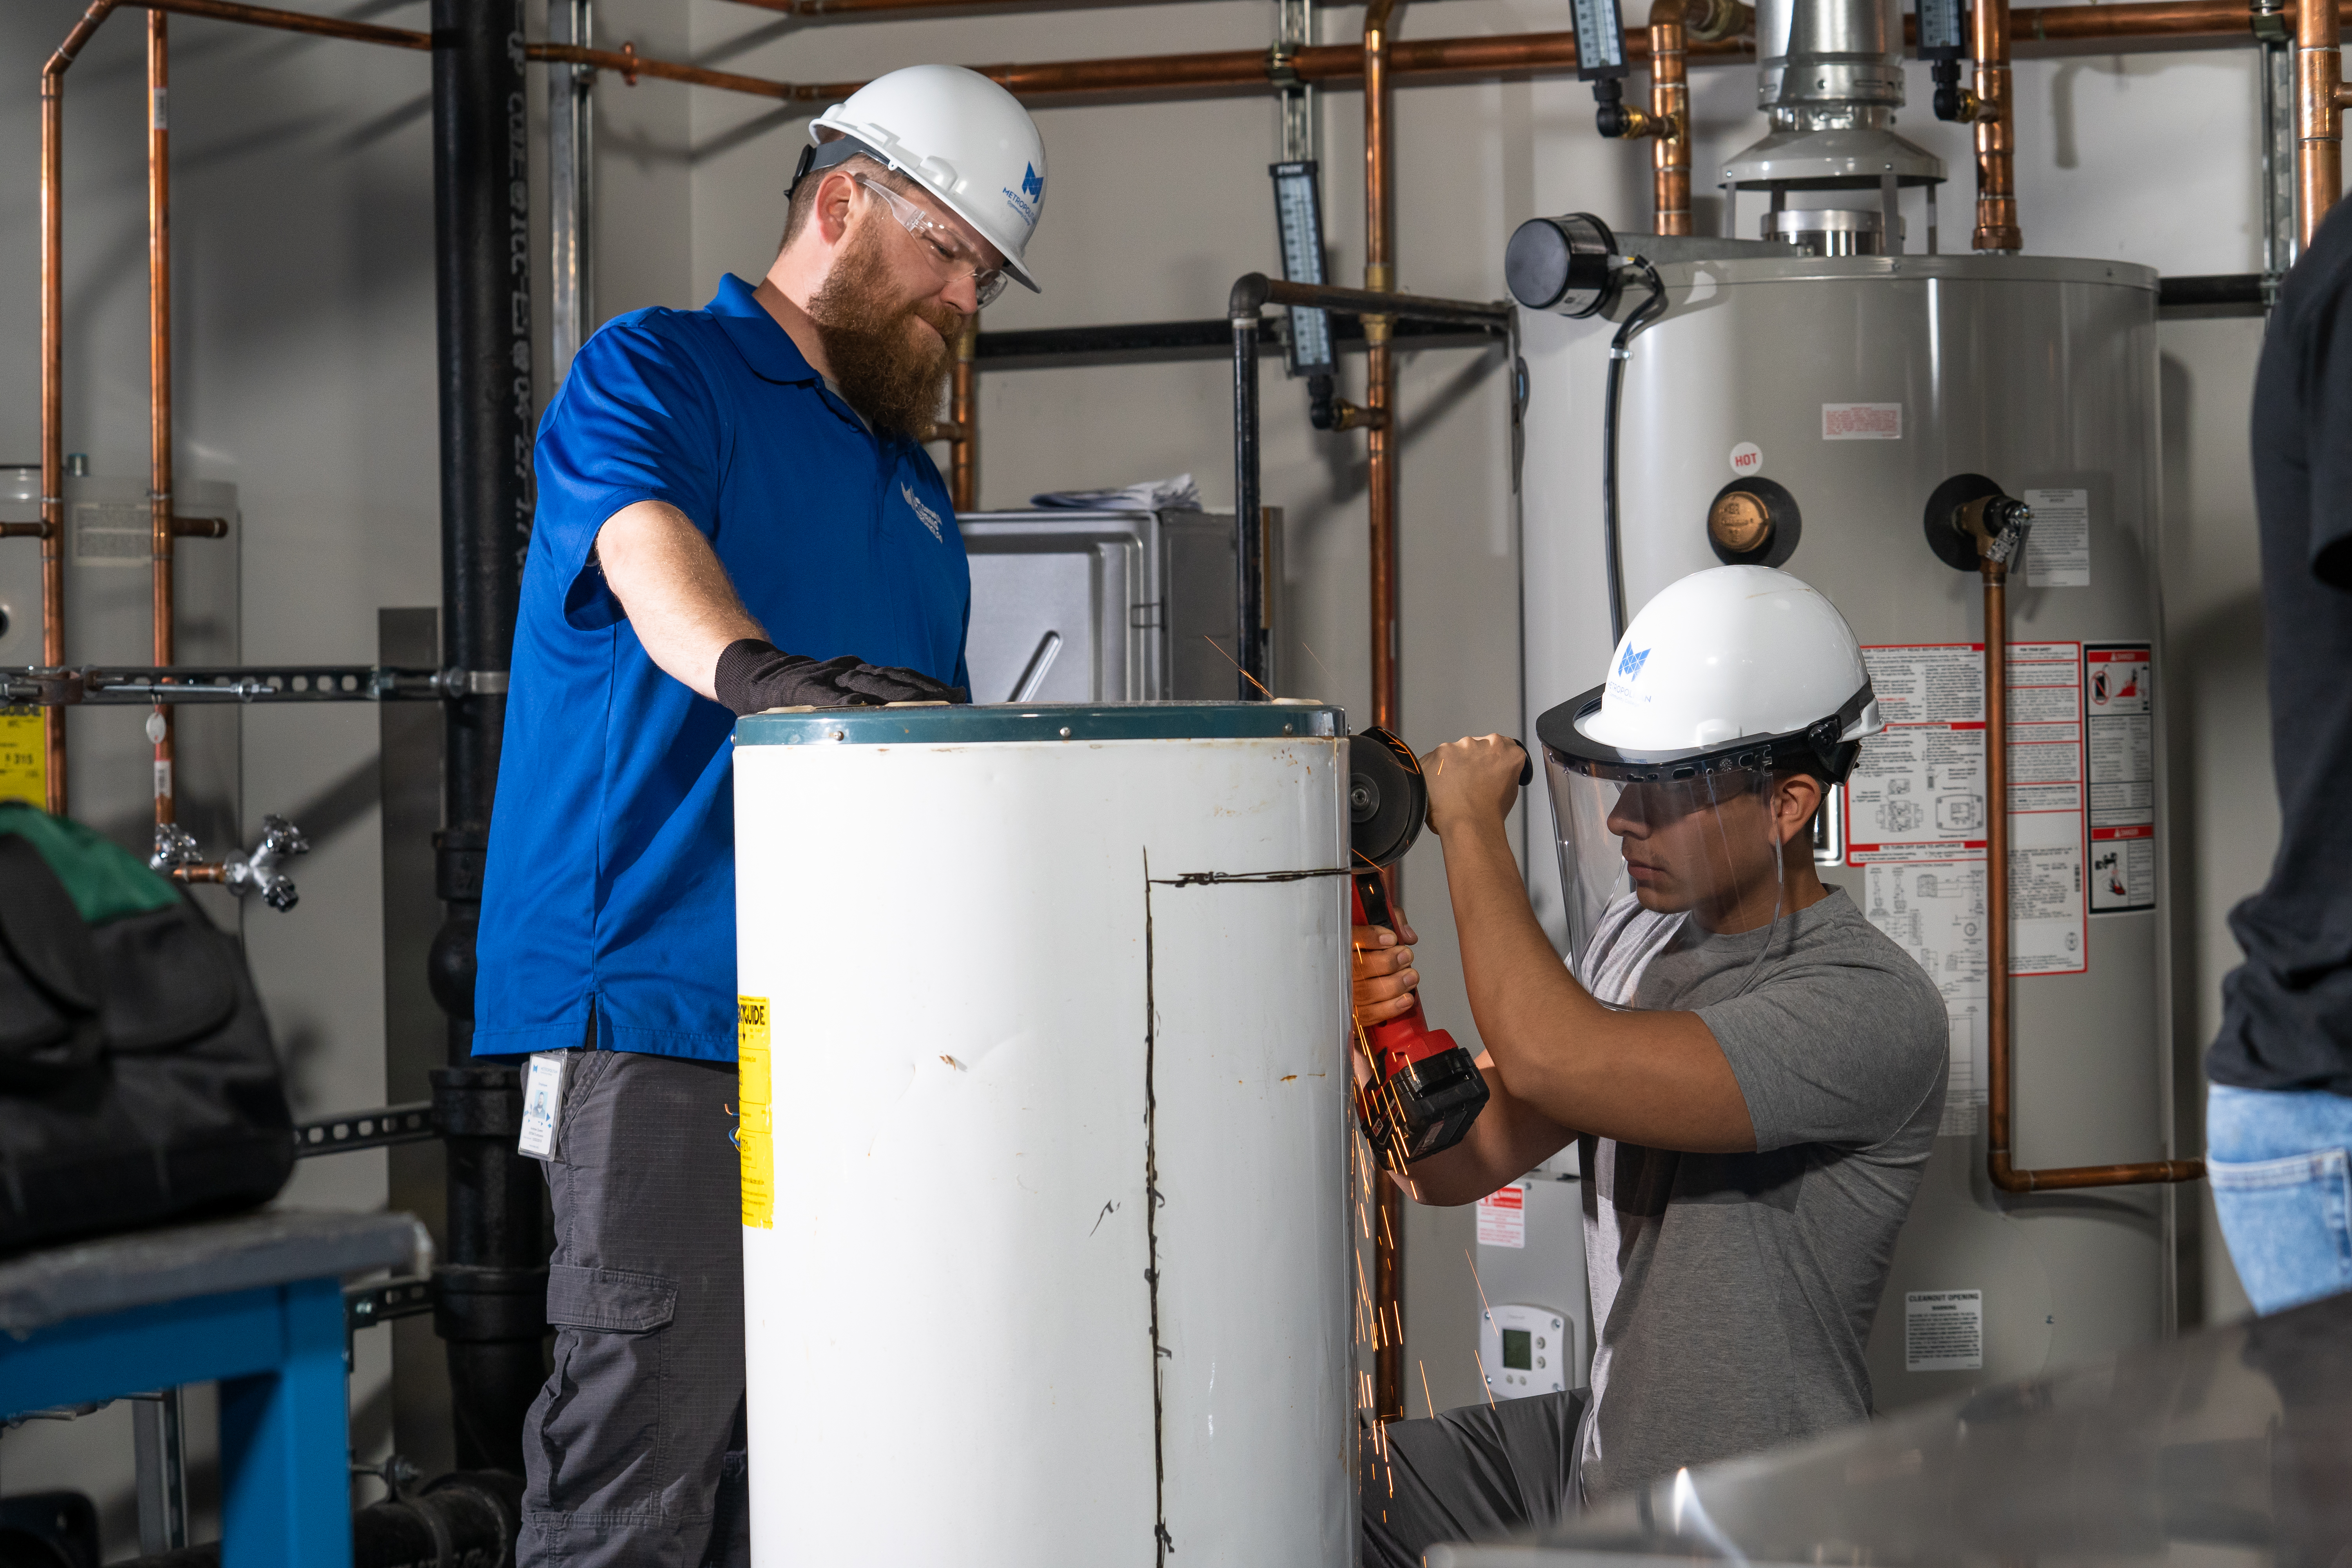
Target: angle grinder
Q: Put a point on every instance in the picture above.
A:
(1426, 1090)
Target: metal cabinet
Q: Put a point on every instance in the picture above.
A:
(1102, 606)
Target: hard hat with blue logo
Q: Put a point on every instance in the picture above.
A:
(1728, 677)
(959, 135)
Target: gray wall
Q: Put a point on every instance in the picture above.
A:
(304, 230)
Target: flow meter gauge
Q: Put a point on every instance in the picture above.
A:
(1600, 40)
(1942, 29)
(1298, 215)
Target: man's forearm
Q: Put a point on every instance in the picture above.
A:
(1652, 1077)
(674, 590)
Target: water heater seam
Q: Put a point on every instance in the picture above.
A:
(1165, 1543)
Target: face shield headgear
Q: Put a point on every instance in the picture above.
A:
(1689, 834)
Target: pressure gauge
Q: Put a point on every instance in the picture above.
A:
(1600, 40)
(1298, 215)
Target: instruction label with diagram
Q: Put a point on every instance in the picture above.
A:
(1503, 1216)
(2058, 541)
(1917, 829)
(1943, 1330)
(2120, 709)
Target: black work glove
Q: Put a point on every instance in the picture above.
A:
(753, 676)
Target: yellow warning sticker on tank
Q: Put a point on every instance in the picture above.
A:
(24, 757)
(755, 1120)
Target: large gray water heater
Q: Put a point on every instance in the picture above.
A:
(1803, 411)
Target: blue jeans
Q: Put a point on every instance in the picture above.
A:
(2281, 1164)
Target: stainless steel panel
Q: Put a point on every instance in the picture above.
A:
(1100, 607)
(2232, 1446)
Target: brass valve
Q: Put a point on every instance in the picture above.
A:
(1739, 522)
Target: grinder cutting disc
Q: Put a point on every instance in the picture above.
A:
(1388, 800)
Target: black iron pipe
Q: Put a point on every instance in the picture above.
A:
(1249, 578)
(492, 1283)
(1163, 342)
(2214, 294)
(459, 1520)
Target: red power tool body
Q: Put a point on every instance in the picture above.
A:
(1426, 1090)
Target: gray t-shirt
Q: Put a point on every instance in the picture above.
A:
(1734, 1292)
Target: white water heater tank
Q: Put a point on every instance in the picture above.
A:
(1045, 1135)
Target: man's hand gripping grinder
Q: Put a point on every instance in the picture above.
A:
(1426, 1090)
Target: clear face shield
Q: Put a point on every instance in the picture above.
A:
(1643, 853)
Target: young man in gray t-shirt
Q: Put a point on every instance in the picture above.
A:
(1752, 1072)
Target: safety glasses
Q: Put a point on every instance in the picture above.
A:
(950, 251)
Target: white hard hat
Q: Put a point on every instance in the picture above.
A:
(1732, 654)
(961, 137)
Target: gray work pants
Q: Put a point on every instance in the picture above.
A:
(633, 1453)
(1476, 1474)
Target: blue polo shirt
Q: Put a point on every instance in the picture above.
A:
(610, 888)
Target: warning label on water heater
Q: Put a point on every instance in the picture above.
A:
(1503, 1216)
(2119, 706)
(1918, 828)
(1943, 1330)
(1862, 422)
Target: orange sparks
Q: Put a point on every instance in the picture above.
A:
(1244, 674)
(1321, 666)
(1483, 1303)
(1425, 1399)
(1483, 1381)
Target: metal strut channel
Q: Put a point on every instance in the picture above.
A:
(410, 1123)
(89, 686)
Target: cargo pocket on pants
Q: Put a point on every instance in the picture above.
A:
(2288, 1223)
(601, 1419)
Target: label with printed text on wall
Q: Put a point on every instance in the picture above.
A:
(1503, 1216)
(755, 1115)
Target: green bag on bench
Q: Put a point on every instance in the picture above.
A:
(138, 1081)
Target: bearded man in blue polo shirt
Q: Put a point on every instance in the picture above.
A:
(735, 513)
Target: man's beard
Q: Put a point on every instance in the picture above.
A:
(887, 364)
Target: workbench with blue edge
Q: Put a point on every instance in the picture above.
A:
(255, 1303)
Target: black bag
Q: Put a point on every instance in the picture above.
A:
(138, 1081)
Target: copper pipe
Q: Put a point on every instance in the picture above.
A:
(1670, 160)
(632, 65)
(164, 537)
(2318, 117)
(1380, 453)
(2002, 986)
(963, 413)
(291, 22)
(1432, 61)
(1989, 23)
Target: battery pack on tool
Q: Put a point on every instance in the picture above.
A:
(1426, 1090)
